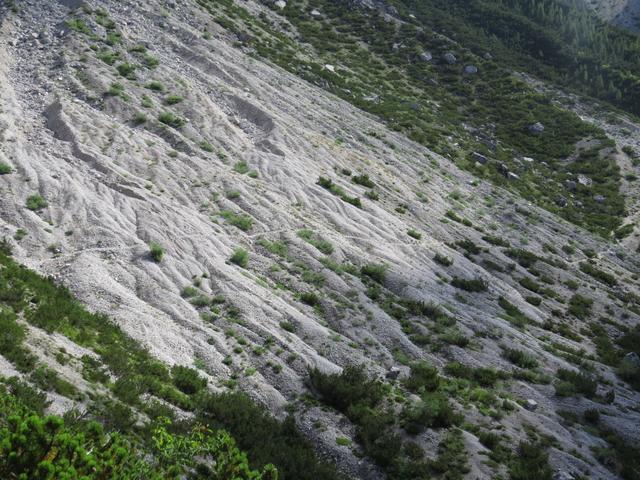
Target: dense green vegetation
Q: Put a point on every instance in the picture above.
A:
(499, 107)
(158, 448)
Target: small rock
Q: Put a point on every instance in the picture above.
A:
(503, 169)
(470, 70)
(330, 67)
(561, 202)
(449, 58)
(315, 13)
(393, 373)
(571, 185)
(531, 405)
(632, 358)
(372, 98)
(562, 475)
(599, 198)
(425, 57)
(584, 180)
(528, 159)
(280, 4)
(396, 47)
(512, 176)
(478, 157)
(536, 128)
(487, 56)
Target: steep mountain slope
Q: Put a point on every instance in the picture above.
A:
(624, 13)
(233, 210)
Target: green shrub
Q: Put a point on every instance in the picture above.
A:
(310, 298)
(520, 358)
(172, 120)
(433, 411)
(580, 306)
(572, 383)
(241, 168)
(423, 377)
(240, 257)
(156, 251)
(173, 99)
(155, 86)
(5, 168)
(598, 274)
(187, 380)
(127, 70)
(35, 202)
(324, 246)
(470, 285)
(414, 233)
(376, 272)
(351, 387)
(241, 221)
(443, 260)
(530, 463)
(363, 180)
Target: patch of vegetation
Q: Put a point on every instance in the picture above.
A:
(324, 246)
(171, 120)
(598, 274)
(35, 202)
(240, 257)
(241, 221)
(443, 260)
(5, 168)
(328, 184)
(470, 285)
(156, 251)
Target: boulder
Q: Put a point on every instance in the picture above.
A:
(512, 176)
(528, 159)
(632, 358)
(470, 70)
(571, 185)
(393, 373)
(503, 169)
(536, 128)
(599, 198)
(449, 58)
(425, 57)
(584, 180)
(561, 202)
(330, 67)
(478, 157)
(315, 13)
(487, 56)
(280, 4)
(531, 405)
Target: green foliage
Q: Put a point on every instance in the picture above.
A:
(513, 313)
(35, 202)
(530, 463)
(172, 120)
(240, 257)
(580, 306)
(241, 221)
(187, 380)
(374, 271)
(443, 260)
(5, 168)
(363, 180)
(127, 70)
(572, 383)
(328, 184)
(351, 387)
(423, 377)
(414, 233)
(520, 358)
(37, 447)
(155, 86)
(324, 246)
(598, 274)
(433, 411)
(470, 285)
(78, 25)
(156, 251)
(241, 168)
(173, 99)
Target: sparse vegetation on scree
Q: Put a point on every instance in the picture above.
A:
(338, 240)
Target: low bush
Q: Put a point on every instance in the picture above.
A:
(240, 257)
(35, 202)
(187, 380)
(156, 251)
(470, 285)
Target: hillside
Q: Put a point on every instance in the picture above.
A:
(623, 13)
(362, 239)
